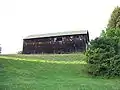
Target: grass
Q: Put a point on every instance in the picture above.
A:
(50, 72)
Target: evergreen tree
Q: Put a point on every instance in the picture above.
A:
(114, 21)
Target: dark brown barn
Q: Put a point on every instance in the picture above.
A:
(62, 42)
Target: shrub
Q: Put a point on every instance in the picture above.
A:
(103, 57)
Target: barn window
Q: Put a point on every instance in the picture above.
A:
(63, 38)
(59, 39)
(77, 36)
(55, 39)
(80, 37)
(71, 37)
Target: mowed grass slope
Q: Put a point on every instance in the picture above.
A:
(50, 72)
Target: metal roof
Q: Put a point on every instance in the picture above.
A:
(57, 34)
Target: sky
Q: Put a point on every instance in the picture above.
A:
(20, 18)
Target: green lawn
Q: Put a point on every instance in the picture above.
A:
(50, 72)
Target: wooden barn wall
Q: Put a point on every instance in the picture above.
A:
(60, 44)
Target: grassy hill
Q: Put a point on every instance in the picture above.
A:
(50, 72)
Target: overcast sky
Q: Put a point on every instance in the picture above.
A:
(20, 18)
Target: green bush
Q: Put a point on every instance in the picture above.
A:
(104, 52)
(103, 57)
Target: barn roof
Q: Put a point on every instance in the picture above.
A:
(57, 34)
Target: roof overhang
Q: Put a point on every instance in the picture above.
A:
(57, 34)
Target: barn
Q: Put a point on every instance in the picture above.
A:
(62, 42)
